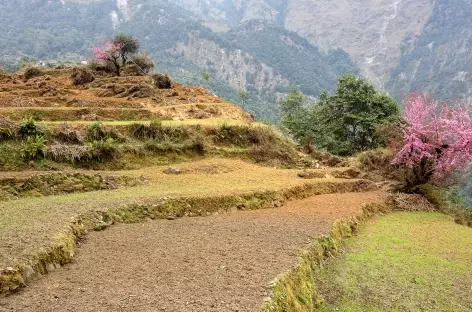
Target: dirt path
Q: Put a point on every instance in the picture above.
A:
(217, 263)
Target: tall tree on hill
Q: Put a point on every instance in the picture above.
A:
(129, 45)
(110, 55)
(343, 123)
(120, 52)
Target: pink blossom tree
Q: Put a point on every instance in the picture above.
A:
(111, 54)
(437, 139)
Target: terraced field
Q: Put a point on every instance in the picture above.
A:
(119, 196)
(119, 150)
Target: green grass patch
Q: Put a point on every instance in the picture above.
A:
(402, 262)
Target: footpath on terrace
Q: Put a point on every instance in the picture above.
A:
(223, 262)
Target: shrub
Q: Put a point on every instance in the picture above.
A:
(156, 131)
(95, 132)
(140, 64)
(66, 134)
(68, 153)
(243, 136)
(104, 150)
(161, 81)
(198, 145)
(97, 66)
(7, 128)
(34, 147)
(29, 128)
(81, 76)
(31, 72)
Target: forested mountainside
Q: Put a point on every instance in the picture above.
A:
(401, 45)
(262, 59)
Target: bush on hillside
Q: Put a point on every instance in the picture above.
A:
(31, 72)
(161, 81)
(81, 76)
(156, 131)
(29, 128)
(96, 131)
(104, 150)
(140, 64)
(99, 67)
(33, 147)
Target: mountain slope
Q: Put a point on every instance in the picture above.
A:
(265, 61)
(400, 45)
(440, 60)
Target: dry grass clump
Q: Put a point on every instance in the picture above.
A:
(68, 153)
(81, 76)
(411, 202)
(324, 158)
(104, 150)
(156, 131)
(66, 134)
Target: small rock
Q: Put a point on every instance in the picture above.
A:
(172, 171)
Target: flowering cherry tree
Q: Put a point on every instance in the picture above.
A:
(110, 53)
(437, 140)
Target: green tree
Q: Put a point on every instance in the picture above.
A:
(244, 96)
(206, 76)
(353, 114)
(343, 123)
(128, 44)
(297, 120)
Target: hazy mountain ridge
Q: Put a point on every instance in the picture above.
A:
(440, 60)
(390, 41)
(262, 46)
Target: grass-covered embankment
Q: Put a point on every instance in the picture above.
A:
(402, 262)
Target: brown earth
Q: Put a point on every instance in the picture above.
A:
(53, 97)
(218, 263)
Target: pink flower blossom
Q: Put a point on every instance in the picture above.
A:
(107, 51)
(438, 134)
